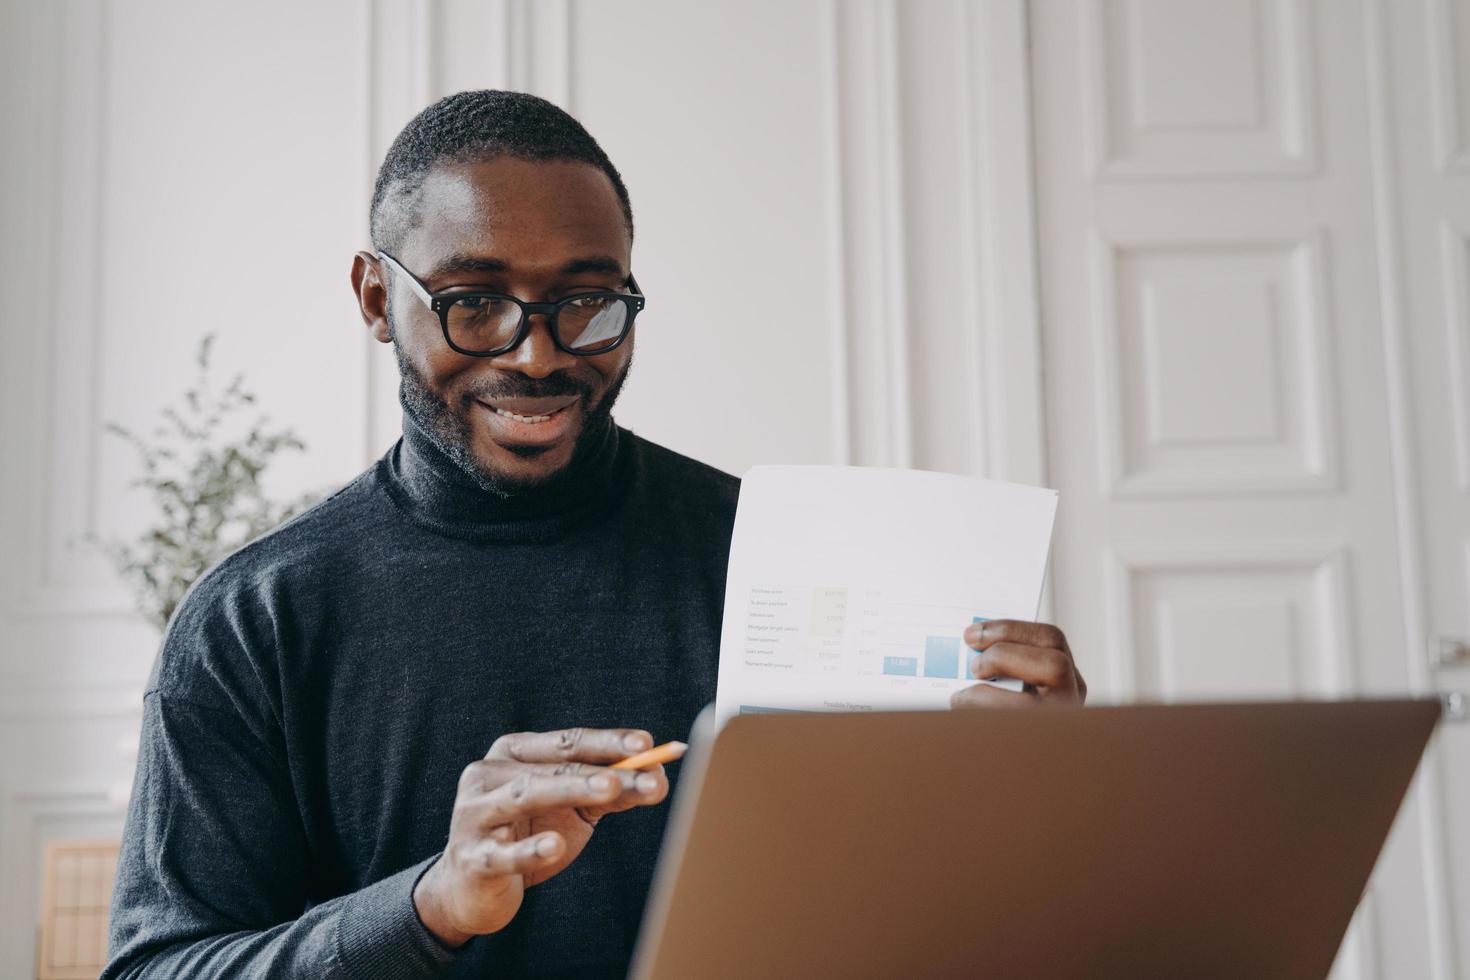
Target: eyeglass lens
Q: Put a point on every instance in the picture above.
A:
(586, 324)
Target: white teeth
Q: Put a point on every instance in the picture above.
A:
(522, 418)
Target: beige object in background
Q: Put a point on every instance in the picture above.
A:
(75, 893)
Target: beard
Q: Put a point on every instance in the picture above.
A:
(450, 431)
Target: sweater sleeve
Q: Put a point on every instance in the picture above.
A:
(212, 875)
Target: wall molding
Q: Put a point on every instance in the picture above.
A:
(873, 235)
(539, 49)
(1455, 268)
(1326, 560)
(107, 701)
(834, 230)
(1466, 564)
(1296, 124)
(1451, 142)
(1408, 523)
(1001, 241)
(1316, 411)
(59, 502)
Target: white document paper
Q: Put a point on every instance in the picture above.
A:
(849, 588)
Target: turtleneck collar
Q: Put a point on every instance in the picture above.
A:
(432, 490)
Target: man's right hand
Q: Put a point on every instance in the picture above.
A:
(522, 814)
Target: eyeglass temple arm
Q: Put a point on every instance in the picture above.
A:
(413, 280)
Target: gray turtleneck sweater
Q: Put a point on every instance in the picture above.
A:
(319, 691)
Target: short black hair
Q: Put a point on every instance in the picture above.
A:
(472, 126)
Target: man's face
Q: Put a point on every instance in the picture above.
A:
(536, 230)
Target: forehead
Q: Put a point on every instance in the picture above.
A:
(524, 211)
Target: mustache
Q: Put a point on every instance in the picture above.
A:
(551, 386)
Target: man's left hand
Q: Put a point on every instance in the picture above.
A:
(1034, 653)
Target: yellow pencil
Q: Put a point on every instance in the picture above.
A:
(656, 756)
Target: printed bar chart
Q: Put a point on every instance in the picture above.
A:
(901, 666)
(942, 657)
(845, 590)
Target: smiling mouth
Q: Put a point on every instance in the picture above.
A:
(525, 422)
(529, 410)
(526, 418)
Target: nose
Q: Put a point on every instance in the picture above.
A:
(537, 355)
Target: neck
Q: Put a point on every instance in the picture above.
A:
(436, 491)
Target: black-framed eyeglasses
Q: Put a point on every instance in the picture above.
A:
(483, 324)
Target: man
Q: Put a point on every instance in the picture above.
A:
(518, 573)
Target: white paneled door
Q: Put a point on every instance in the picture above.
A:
(1426, 161)
(1254, 251)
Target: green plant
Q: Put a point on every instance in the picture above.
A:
(207, 492)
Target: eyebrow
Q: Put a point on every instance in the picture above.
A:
(600, 264)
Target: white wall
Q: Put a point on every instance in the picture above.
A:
(174, 167)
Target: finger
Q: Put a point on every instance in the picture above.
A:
(982, 635)
(571, 745)
(1044, 667)
(482, 777)
(989, 696)
(486, 775)
(532, 793)
(648, 788)
(493, 858)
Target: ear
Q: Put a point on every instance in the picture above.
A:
(371, 290)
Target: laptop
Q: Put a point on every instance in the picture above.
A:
(1221, 840)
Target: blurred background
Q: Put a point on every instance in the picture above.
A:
(1202, 265)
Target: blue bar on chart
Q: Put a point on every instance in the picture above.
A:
(901, 666)
(942, 656)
